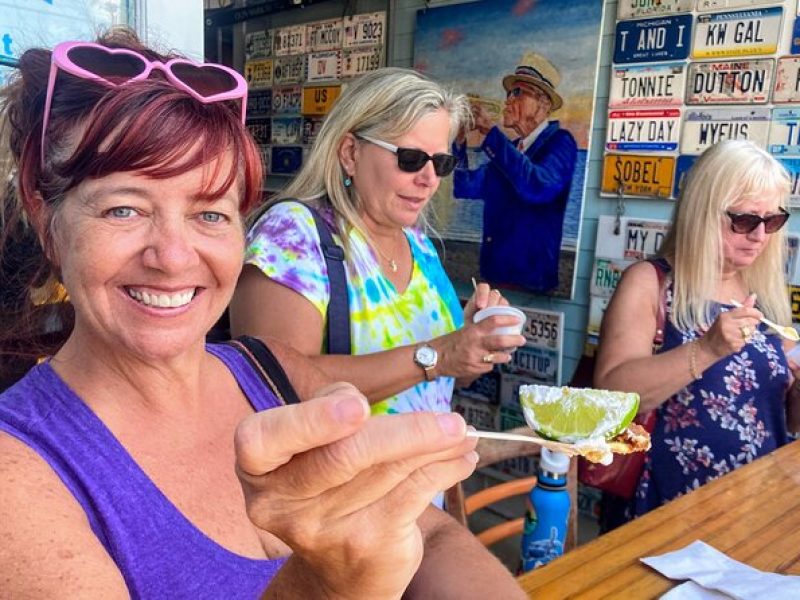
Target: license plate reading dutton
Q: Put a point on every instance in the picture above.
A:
(633, 9)
(704, 128)
(649, 130)
(653, 40)
(740, 33)
(646, 85)
(648, 176)
(730, 82)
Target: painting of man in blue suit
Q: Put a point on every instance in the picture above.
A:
(525, 182)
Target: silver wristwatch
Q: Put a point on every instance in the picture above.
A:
(426, 357)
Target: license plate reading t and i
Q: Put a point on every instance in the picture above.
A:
(638, 175)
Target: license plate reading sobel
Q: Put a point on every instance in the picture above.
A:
(649, 176)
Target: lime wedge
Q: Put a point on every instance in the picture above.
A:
(572, 414)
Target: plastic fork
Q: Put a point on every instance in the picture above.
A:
(790, 333)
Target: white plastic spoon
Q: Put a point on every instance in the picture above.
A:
(790, 333)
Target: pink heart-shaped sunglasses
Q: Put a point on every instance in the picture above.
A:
(206, 82)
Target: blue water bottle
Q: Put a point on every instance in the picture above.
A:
(548, 512)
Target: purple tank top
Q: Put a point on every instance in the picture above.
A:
(159, 552)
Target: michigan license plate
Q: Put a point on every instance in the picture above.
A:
(638, 175)
(653, 40)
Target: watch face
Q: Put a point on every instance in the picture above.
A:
(426, 356)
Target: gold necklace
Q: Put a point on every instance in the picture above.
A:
(392, 262)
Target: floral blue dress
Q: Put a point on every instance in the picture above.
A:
(729, 417)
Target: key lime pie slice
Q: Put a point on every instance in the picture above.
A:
(597, 422)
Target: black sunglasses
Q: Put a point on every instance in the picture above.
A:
(412, 160)
(749, 222)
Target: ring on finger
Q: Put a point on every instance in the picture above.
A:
(746, 332)
(496, 291)
(488, 358)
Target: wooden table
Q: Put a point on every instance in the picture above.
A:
(752, 515)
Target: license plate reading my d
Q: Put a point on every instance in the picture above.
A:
(649, 176)
(652, 40)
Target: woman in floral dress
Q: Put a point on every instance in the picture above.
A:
(720, 382)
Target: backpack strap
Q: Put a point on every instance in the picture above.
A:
(662, 271)
(263, 362)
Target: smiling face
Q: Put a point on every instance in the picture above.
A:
(740, 250)
(149, 268)
(391, 197)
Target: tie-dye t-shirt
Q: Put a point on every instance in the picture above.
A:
(284, 245)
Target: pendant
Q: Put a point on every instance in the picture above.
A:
(393, 265)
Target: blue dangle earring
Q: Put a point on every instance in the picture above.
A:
(348, 181)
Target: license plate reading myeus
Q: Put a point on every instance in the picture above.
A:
(730, 82)
(649, 176)
(643, 130)
(739, 33)
(653, 40)
(633, 9)
(646, 85)
(704, 128)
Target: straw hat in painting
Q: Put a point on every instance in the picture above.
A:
(535, 69)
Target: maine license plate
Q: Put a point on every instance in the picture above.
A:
(287, 100)
(258, 73)
(257, 44)
(324, 35)
(646, 85)
(359, 61)
(290, 40)
(289, 69)
(259, 103)
(707, 5)
(606, 275)
(792, 166)
(784, 131)
(319, 100)
(648, 176)
(324, 66)
(739, 33)
(367, 29)
(704, 128)
(287, 130)
(643, 130)
(653, 40)
(543, 327)
(730, 82)
(643, 238)
(787, 80)
(633, 9)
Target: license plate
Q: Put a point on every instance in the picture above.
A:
(649, 176)
(366, 29)
(795, 47)
(611, 245)
(287, 130)
(324, 35)
(286, 100)
(258, 73)
(643, 238)
(257, 45)
(643, 130)
(704, 128)
(311, 127)
(290, 40)
(540, 364)
(645, 85)
(787, 80)
(289, 69)
(319, 100)
(359, 61)
(324, 66)
(286, 159)
(543, 328)
(653, 40)
(730, 82)
(606, 275)
(633, 9)
(597, 307)
(792, 165)
(478, 413)
(784, 131)
(739, 33)
(682, 166)
(261, 130)
(259, 103)
(707, 5)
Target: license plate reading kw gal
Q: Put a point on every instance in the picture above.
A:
(653, 40)
(645, 85)
(739, 33)
(639, 175)
(633, 9)
(784, 131)
(649, 130)
(730, 82)
(704, 128)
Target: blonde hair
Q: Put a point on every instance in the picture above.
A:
(384, 104)
(724, 175)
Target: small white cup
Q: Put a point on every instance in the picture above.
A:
(491, 311)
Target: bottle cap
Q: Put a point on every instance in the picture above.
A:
(554, 462)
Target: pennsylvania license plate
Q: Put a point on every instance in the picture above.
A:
(633, 9)
(706, 127)
(643, 130)
(367, 29)
(658, 84)
(730, 82)
(638, 175)
(653, 40)
(741, 33)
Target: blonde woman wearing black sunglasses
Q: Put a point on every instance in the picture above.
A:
(721, 384)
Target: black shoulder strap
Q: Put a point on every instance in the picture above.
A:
(267, 366)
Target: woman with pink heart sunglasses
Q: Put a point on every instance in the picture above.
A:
(138, 461)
